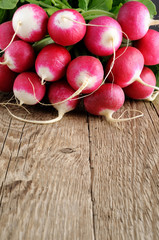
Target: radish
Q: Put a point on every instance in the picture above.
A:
(137, 90)
(6, 34)
(30, 22)
(85, 74)
(19, 56)
(149, 47)
(27, 88)
(103, 36)
(134, 18)
(105, 101)
(66, 27)
(58, 91)
(51, 62)
(7, 78)
(127, 68)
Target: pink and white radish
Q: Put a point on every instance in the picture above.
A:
(58, 92)
(6, 34)
(19, 56)
(105, 101)
(66, 27)
(135, 20)
(103, 36)
(27, 88)
(149, 47)
(127, 68)
(138, 91)
(7, 78)
(30, 22)
(51, 62)
(85, 74)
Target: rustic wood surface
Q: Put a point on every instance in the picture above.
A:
(81, 178)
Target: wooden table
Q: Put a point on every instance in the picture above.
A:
(81, 178)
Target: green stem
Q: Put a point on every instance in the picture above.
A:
(58, 3)
(42, 4)
(90, 14)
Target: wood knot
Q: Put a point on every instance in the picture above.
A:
(67, 150)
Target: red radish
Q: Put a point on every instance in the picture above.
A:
(19, 56)
(27, 88)
(7, 78)
(66, 27)
(134, 18)
(137, 90)
(51, 62)
(85, 74)
(58, 92)
(6, 34)
(104, 36)
(107, 100)
(30, 22)
(149, 47)
(127, 68)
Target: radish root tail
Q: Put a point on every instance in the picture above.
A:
(60, 116)
(108, 114)
(14, 35)
(146, 84)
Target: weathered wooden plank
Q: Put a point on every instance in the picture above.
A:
(45, 178)
(125, 174)
(50, 190)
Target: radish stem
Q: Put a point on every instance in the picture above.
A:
(14, 35)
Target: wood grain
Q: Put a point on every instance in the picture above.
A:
(81, 178)
(45, 180)
(125, 166)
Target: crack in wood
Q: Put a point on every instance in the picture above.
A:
(91, 180)
(1, 188)
(151, 120)
(153, 105)
(5, 137)
(20, 140)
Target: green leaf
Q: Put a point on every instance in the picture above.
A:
(40, 3)
(94, 13)
(2, 15)
(42, 43)
(61, 4)
(50, 11)
(118, 2)
(83, 4)
(8, 4)
(66, 3)
(101, 4)
(115, 9)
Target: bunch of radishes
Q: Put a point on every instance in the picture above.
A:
(103, 87)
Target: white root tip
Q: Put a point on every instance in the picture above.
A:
(152, 97)
(108, 115)
(43, 81)
(60, 116)
(21, 103)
